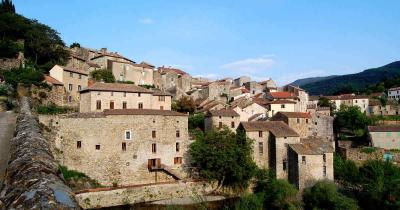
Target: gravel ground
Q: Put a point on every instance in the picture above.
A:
(7, 127)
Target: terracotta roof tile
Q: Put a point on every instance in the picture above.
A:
(164, 70)
(295, 114)
(281, 95)
(142, 112)
(223, 113)
(111, 54)
(52, 80)
(384, 128)
(280, 102)
(278, 128)
(312, 146)
(117, 87)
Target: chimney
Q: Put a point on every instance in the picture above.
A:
(103, 50)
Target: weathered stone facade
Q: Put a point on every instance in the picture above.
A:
(222, 118)
(172, 79)
(385, 136)
(299, 121)
(123, 147)
(10, 63)
(33, 180)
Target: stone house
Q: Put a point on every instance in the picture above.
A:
(394, 93)
(122, 147)
(385, 136)
(221, 118)
(100, 96)
(219, 90)
(276, 106)
(269, 85)
(9, 63)
(56, 95)
(298, 121)
(270, 144)
(254, 87)
(240, 81)
(309, 161)
(77, 62)
(248, 110)
(375, 107)
(168, 78)
(355, 100)
(74, 80)
(301, 95)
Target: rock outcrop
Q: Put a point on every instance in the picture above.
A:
(32, 179)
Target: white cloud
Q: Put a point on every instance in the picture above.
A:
(250, 65)
(146, 21)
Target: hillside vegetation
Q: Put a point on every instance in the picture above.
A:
(353, 82)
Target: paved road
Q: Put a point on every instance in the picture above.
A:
(7, 126)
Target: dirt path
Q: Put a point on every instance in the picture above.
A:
(7, 127)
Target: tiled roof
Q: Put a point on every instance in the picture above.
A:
(394, 88)
(281, 95)
(349, 97)
(164, 70)
(142, 112)
(296, 114)
(223, 113)
(112, 54)
(91, 64)
(312, 146)
(278, 128)
(313, 98)
(384, 128)
(255, 116)
(52, 80)
(160, 93)
(116, 87)
(281, 102)
(79, 71)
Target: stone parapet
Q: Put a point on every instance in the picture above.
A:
(32, 179)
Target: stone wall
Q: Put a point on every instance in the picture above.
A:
(139, 194)
(9, 63)
(32, 179)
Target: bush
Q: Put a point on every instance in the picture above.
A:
(280, 194)
(196, 121)
(52, 109)
(27, 76)
(324, 195)
(69, 174)
(250, 202)
(125, 82)
(6, 90)
(103, 75)
(345, 170)
(368, 150)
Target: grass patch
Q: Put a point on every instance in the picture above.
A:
(368, 150)
(78, 180)
(52, 109)
(69, 174)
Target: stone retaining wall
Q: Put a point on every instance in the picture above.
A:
(144, 193)
(32, 179)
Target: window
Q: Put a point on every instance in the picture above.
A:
(124, 104)
(260, 148)
(178, 134)
(307, 121)
(220, 125)
(219, 117)
(71, 74)
(111, 104)
(98, 147)
(324, 171)
(324, 157)
(285, 162)
(153, 148)
(123, 146)
(232, 124)
(70, 87)
(161, 107)
(153, 134)
(124, 94)
(80, 76)
(98, 93)
(177, 160)
(260, 134)
(78, 144)
(298, 120)
(177, 146)
(139, 94)
(69, 99)
(303, 159)
(161, 98)
(283, 106)
(79, 88)
(140, 105)
(112, 93)
(128, 135)
(98, 104)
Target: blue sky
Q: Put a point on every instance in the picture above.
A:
(284, 40)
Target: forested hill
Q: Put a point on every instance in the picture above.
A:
(302, 82)
(352, 82)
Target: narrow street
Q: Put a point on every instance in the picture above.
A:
(7, 126)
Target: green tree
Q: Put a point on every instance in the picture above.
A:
(185, 104)
(225, 157)
(75, 44)
(345, 170)
(250, 202)
(196, 121)
(280, 194)
(324, 195)
(26, 76)
(351, 118)
(7, 6)
(325, 102)
(103, 75)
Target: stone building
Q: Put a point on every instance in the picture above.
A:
(309, 161)
(254, 87)
(56, 95)
(122, 147)
(270, 144)
(74, 80)
(248, 109)
(302, 96)
(385, 136)
(276, 106)
(375, 107)
(221, 118)
(394, 93)
(299, 121)
(77, 62)
(269, 85)
(100, 96)
(322, 122)
(240, 81)
(172, 78)
(219, 90)
(10, 63)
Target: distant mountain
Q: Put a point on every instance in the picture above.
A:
(301, 82)
(358, 81)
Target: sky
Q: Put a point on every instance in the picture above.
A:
(280, 39)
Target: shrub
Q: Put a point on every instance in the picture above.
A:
(69, 174)
(196, 121)
(368, 150)
(250, 202)
(125, 82)
(52, 109)
(103, 75)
